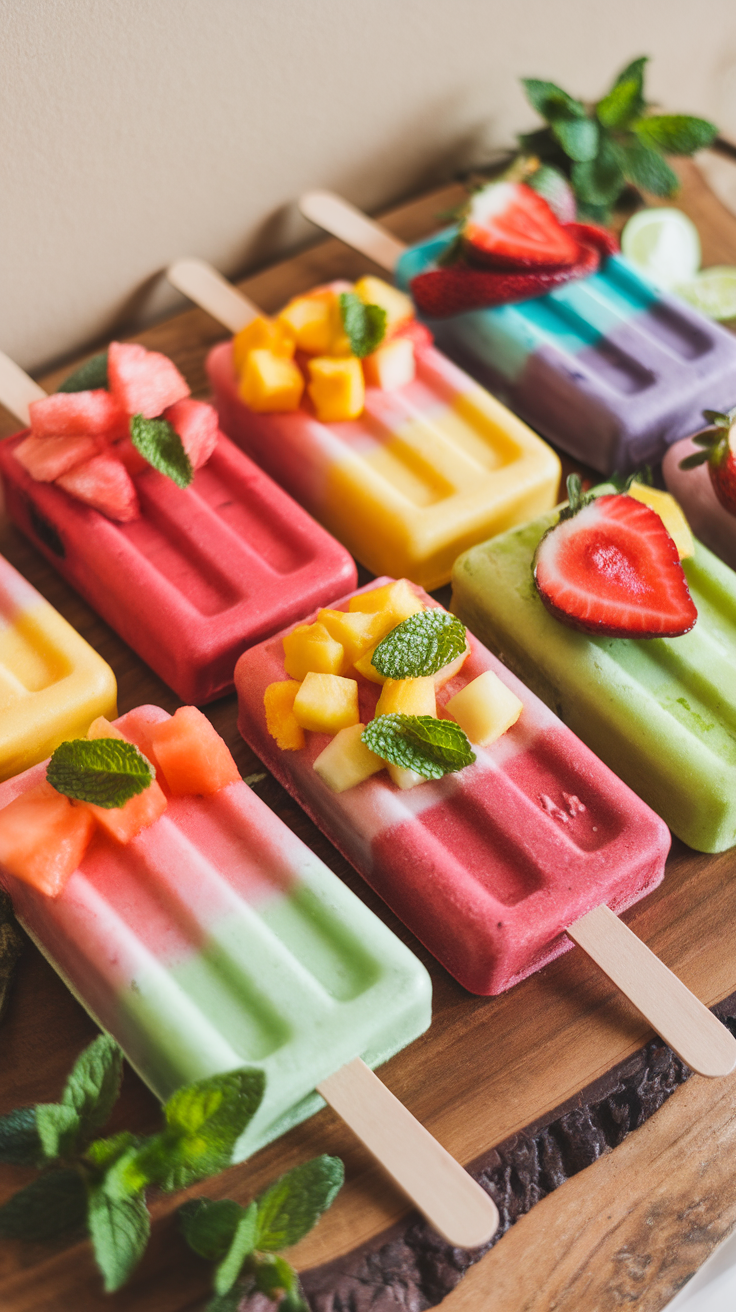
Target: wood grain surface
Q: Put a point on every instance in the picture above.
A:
(628, 1229)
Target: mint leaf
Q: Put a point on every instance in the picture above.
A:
(646, 168)
(419, 742)
(88, 377)
(599, 181)
(289, 1209)
(241, 1246)
(94, 1083)
(20, 1143)
(692, 462)
(106, 1153)
(551, 101)
(274, 1273)
(676, 134)
(421, 645)
(364, 324)
(51, 1204)
(578, 137)
(625, 100)
(58, 1128)
(119, 1228)
(209, 1227)
(105, 771)
(159, 443)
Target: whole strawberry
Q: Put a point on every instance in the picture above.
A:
(719, 449)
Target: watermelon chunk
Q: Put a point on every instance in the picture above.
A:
(192, 754)
(139, 726)
(123, 822)
(131, 457)
(43, 837)
(196, 424)
(67, 414)
(144, 382)
(104, 483)
(46, 458)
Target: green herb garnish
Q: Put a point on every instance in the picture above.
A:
(364, 324)
(159, 443)
(430, 746)
(105, 771)
(88, 377)
(421, 645)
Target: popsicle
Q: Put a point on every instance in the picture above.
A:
(215, 939)
(610, 368)
(498, 867)
(52, 683)
(709, 520)
(201, 572)
(428, 468)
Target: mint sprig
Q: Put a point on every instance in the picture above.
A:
(159, 443)
(104, 771)
(430, 746)
(421, 645)
(365, 325)
(88, 377)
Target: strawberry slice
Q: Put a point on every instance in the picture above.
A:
(609, 567)
(510, 226)
(441, 292)
(591, 234)
(719, 448)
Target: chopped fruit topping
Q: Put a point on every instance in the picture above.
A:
(670, 514)
(364, 665)
(102, 728)
(407, 697)
(356, 632)
(609, 567)
(271, 382)
(719, 449)
(43, 837)
(397, 305)
(398, 599)
(448, 672)
(392, 365)
(314, 320)
(508, 225)
(131, 457)
(418, 334)
(144, 382)
(104, 483)
(281, 722)
(346, 761)
(423, 743)
(125, 822)
(485, 708)
(274, 335)
(336, 387)
(192, 754)
(403, 777)
(46, 458)
(442, 292)
(89, 414)
(310, 648)
(326, 703)
(197, 425)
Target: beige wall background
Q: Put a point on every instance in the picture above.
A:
(135, 131)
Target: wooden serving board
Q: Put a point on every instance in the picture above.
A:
(532, 1087)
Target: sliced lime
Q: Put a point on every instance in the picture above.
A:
(712, 291)
(664, 244)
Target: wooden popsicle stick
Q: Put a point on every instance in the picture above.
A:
(690, 1029)
(211, 292)
(451, 1200)
(17, 390)
(353, 227)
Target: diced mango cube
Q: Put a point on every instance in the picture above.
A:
(669, 512)
(392, 365)
(101, 728)
(261, 333)
(314, 320)
(356, 630)
(485, 708)
(447, 672)
(364, 665)
(346, 761)
(403, 777)
(281, 722)
(399, 600)
(374, 291)
(310, 648)
(326, 703)
(270, 382)
(407, 697)
(337, 387)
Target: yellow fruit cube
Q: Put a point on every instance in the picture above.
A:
(391, 366)
(398, 600)
(310, 648)
(101, 728)
(337, 387)
(270, 382)
(669, 512)
(314, 320)
(485, 708)
(346, 761)
(364, 665)
(404, 777)
(407, 697)
(449, 671)
(282, 724)
(262, 333)
(357, 631)
(374, 291)
(327, 703)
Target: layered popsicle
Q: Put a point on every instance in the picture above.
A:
(426, 467)
(52, 683)
(186, 575)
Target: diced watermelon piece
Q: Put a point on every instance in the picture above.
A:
(144, 382)
(196, 424)
(46, 458)
(123, 822)
(192, 754)
(70, 413)
(43, 837)
(131, 457)
(418, 332)
(104, 483)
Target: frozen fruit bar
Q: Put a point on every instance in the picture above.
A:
(52, 684)
(488, 865)
(215, 939)
(660, 712)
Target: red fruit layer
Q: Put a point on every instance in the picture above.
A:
(510, 226)
(443, 292)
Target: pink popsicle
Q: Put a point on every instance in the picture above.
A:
(708, 519)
